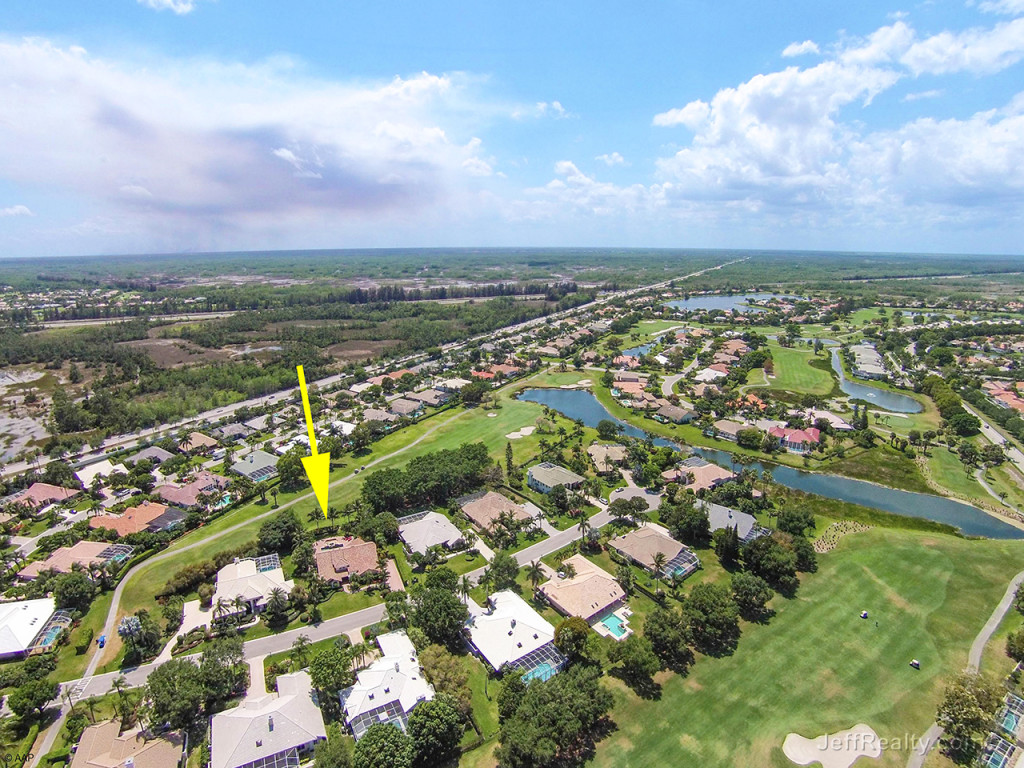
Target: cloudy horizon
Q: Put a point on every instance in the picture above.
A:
(149, 130)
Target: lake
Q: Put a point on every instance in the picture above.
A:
(736, 302)
(883, 398)
(643, 349)
(582, 404)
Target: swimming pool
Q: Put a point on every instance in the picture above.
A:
(615, 625)
(542, 671)
(1010, 722)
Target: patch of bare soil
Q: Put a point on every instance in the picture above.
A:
(359, 349)
(171, 353)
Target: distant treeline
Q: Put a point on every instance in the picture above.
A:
(167, 301)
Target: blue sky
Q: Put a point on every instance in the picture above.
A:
(180, 125)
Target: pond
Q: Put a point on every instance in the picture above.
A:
(643, 349)
(582, 404)
(737, 302)
(883, 398)
(971, 520)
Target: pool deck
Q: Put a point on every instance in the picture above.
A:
(623, 613)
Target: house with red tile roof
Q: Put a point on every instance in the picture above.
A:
(147, 516)
(796, 440)
(40, 494)
(339, 558)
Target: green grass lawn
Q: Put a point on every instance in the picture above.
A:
(885, 465)
(794, 374)
(817, 667)
(947, 470)
(70, 665)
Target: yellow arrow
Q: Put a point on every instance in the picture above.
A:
(318, 465)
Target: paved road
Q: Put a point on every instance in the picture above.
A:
(98, 685)
(931, 737)
(554, 542)
(119, 442)
(108, 627)
(992, 435)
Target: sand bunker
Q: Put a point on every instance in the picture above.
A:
(834, 750)
(584, 382)
(522, 432)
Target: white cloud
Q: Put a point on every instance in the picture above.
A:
(1006, 7)
(197, 153)
(800, 49)
(775, 136)
(882, 46)
(180, 7)
(476, 167)
(553, 108)
(920, 95)
(979, 51)
(693, 115)
(15, 210)
(612, 158)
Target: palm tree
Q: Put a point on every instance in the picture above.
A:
(222, 608)
(485, 578)
(240, 605)
(277, 605)
(464, 586)
(300, 651)
(584, 528)
(274, 492)
(118, 684)
(185, 443)
(658, 561)
(535, 573)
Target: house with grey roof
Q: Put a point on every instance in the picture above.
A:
(154, 453)
(405, 408)
(422, 531)
(746, 525)
(272, 731)
(375, 414)
(675, 414)
(233, 431)
(257, 466)
(545, 476)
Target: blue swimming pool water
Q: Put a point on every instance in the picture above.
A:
(1010, 722)
(542, 671)
(614, 625)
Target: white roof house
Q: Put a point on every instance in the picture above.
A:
(270, 730)
(430, 530)
(21, 622)
(709, 374)
(251, 579)
(89, 473)
(389, 689)
(510, 631)
(343, 428)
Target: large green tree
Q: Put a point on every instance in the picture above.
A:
(668, 630)
(383, 746)
(554, 718)
(440, 614)
(751, 594)
(32, 696)
(435, 728)
(177, 692)
(714, 619)
(968, 705)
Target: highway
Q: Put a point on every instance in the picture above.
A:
(120, 442)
